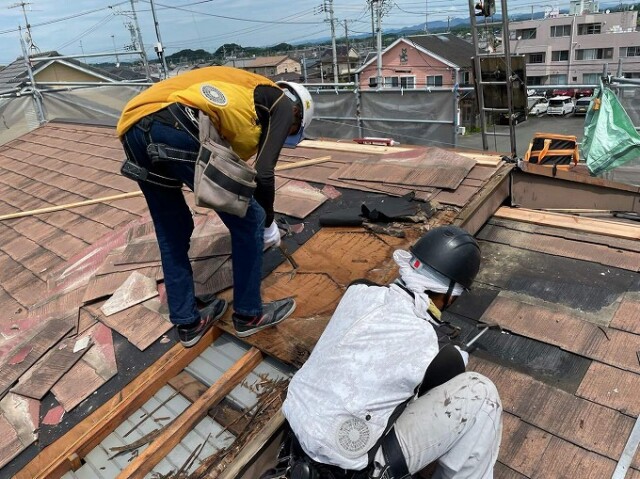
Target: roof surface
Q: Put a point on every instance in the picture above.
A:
(447, 46)
(567, 365)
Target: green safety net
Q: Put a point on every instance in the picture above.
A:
(610, 138)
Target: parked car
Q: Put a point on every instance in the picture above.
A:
(571, 92)
(582, 105)
(560, 105)
(582, 92)
(518, 117)
(537, 105)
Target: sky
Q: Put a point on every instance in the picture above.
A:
(74, 27)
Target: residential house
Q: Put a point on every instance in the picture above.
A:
(267, 66)
(421, 61)
(47, 69)
(573, 49)
(347, 61)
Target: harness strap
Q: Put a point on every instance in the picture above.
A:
(394, 457)
(159, 152)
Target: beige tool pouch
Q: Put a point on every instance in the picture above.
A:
(222, 181)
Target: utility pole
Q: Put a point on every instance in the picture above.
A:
(115, 50)
(159, 48)
(346, 40)
(143, 54)
(426, 16)
(378, 42)
(373, 28)
(333, 42)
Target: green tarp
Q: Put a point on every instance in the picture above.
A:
(610, 138)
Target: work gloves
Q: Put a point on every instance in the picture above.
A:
(271, 236)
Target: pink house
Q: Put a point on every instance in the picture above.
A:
(421, 61)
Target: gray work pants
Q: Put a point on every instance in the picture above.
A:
(457, 424)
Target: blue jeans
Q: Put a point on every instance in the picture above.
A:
(174, 225)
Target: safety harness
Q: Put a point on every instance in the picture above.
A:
(294, 463)
(177, 116)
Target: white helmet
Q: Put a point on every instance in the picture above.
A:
(303, 98)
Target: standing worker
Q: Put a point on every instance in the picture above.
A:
(359, 408)
(159, 130)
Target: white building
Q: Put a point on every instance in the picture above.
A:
(572, 49)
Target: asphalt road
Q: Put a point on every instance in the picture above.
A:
(568, 125)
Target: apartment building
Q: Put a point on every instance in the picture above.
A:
(565, 49)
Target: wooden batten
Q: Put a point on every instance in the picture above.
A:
(174, 432)
(61, 456)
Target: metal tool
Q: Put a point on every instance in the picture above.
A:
(485, 327)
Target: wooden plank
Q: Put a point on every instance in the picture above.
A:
(300, 164)
(351, 147)
(226, 413)
(53, 460)
(483, 159)
(484, 204)
(561, 247)
(249, 451)
(174, 432)
(604, 227)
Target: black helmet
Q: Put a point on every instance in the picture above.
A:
(451, 251)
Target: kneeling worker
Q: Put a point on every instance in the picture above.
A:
(159, 130)
(358, 408)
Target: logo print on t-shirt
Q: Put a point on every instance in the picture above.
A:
(214, 95)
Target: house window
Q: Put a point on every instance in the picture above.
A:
(536, 57)
(589, 29)
(534, 80)
(630, 51)
(557, 79)
(561, 30)
(523, 34)
(465, 78)
(434, 80)
(373, 82)
(408, 82)
(391, 82)
(591, 78)
(594, 54)
(560, 55)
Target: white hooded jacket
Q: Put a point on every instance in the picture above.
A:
(371, 357)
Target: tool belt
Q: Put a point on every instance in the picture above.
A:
(222, 181)
(294, 463)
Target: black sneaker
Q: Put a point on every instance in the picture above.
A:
(190, 335)
(272, 314)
